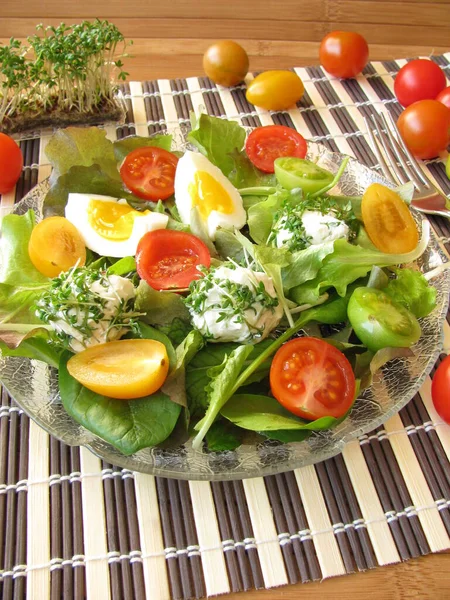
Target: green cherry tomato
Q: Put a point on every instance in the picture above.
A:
(380, 322)
(301, 173)
(447, 168)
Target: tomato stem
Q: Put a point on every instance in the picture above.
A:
(335, 180)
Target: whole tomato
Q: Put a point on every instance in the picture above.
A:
(275, 90)
(343, 53)
(440, 390)
(226, 63)
(420, 79)
(11, 163)
(444, 97)
(425, 128)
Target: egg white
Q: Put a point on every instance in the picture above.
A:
(77, 213)
(187, 166)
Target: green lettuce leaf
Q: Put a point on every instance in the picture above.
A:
(244, 173)
(36, 347)
(80, 146)
(128, 425)
(161, 308)
(126, 145)
(411, 289)
(216, 139)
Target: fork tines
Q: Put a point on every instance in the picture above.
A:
(379, 130)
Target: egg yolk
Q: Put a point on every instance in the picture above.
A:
(208, 195)
(111, 220)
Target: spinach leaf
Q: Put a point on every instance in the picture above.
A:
(176, 331)
(128, 425)
(123, 266)
(216, 139)
(263, 413)
(223, 436)
(288, 435)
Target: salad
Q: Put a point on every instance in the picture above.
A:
(218, 294)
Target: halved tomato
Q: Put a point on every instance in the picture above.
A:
(265, 144)
(168, 259)
(123, 369)
(150, 172)
(312, 379)
(388, 220)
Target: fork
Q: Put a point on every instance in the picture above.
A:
(427, 199)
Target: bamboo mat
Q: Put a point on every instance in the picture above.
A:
(72, 526)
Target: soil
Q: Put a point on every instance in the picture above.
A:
(61, 119)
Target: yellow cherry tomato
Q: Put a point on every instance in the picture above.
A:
(55, 246)
(123, 369)
(226, 63)
(388, 221)
(275, 90)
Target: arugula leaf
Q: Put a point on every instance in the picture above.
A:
(16, 267)
(161, 307)
(80, 146)
(128, 144)
(412, 290)
(216, 139)
(263, 413)
(129, 425)
(219, 390)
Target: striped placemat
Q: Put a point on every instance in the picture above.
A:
(72, 526)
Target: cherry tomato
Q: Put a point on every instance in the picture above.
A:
(265, 144)
(420, 79)
(11, 163)
(381, 322)
(168, 259)
(440, 390)
(226, 63)
(312, 379)
(150, 173)
(444, 97)
(123, 369)
(343, 53)
(425, 128)
(388, 220)
(275, 90)
(294, 172)
(55, 246)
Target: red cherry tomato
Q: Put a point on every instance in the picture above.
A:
(149, 173)
(419, 79)
(312, 379)
(343, 53)
(168, 259)
(440, 390)
(425, 128)
(444, 97)
(11, 163)
(265, 144)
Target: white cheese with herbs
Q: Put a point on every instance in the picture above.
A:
(318, 229)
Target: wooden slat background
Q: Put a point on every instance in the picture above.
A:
(171, 37)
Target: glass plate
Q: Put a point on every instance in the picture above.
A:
(34, 385)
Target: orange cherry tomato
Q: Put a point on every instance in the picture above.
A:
(123, 369)
(388, 220)
(11, 163)
(312, 379)
(425, 128)
(149, 172)
(343, 53)
(226, 63)
(275, 90)
(55, 246)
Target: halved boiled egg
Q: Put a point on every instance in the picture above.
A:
(110, 226)
(200, 184)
